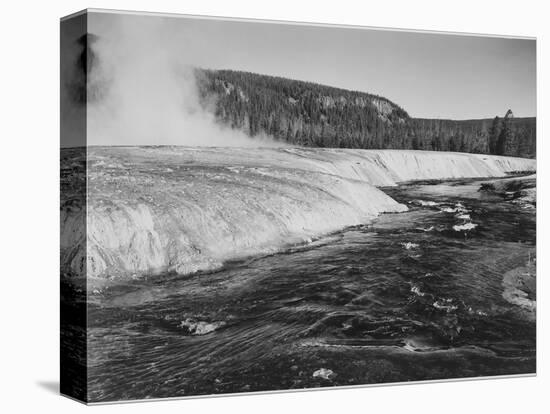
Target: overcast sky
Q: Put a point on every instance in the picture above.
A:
(429, 75)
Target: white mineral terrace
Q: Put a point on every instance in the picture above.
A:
(154, 210)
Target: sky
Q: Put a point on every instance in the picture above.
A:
(429, 75)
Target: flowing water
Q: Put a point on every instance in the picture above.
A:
(426, 294)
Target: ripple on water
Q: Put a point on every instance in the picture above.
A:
(356, 303)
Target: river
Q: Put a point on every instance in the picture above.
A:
(427, 294)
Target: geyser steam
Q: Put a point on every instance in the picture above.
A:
(144, 90)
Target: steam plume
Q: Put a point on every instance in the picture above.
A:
(142, 91)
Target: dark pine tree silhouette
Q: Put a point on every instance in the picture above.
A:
(493, 135)
(505, 134)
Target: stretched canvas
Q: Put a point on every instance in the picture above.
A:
(252, 206)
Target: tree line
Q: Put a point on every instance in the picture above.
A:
(314, 115)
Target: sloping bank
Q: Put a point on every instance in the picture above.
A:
(153, 210)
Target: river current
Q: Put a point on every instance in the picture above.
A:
(431, 293)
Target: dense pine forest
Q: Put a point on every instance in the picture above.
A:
(309, 114)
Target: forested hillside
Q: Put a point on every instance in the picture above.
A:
(309, 114)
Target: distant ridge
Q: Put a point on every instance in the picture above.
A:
(315, 115)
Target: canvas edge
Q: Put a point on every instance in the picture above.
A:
(293, 23)
(73, 379)
(305, 390)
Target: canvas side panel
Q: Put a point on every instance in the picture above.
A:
(73, 167)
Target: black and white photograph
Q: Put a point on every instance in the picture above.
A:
(252, 206)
